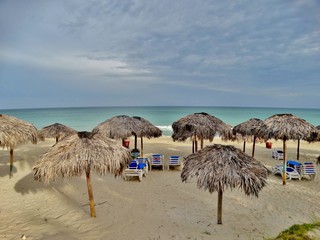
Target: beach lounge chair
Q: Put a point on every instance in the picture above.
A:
(143, 163)
(308, 169)
(133, 170)
(157, 160)
(174, 161)
(295, 164)
(291, 173)
(277, 154)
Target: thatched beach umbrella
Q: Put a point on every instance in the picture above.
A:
(247, 130)
(147, 129)
(56, 130)
(122, 126)
(119, 127)
(218, 167)
(200, 126)
(285, 127)
(14, 132)
(80, 153)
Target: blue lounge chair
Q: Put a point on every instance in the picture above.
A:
(143, 163)
(174, 161)
(133, 170)
(157, 160)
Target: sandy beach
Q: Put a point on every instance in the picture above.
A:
(158, 207)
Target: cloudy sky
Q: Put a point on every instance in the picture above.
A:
(182, 53)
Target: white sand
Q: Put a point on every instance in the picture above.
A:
(159, 207)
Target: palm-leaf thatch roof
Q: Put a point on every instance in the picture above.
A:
(118, 127)
(286, 126)
(78, 153)
(147, 129)
(122, 126)
(14, 132)
(218, 167)
(248, 128)
(318, 127)
(201, 125)
(56, 130)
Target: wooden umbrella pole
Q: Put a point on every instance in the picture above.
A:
(201, 143)
(141, 147)
(11, 163)
(284, 162)
(192, 146)
(298, 150)
(244, 146)
(220, 194)
(254, 145)
(57, 139)
(135, 141)
(90, 194)
(196, 145)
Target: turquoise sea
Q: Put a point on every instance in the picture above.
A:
(86, 118)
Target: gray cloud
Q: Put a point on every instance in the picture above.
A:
(246, 48)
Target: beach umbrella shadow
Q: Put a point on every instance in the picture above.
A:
(4, 172)
(219, 167)
(27, 185)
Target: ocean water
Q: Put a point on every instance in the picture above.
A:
(86, 118)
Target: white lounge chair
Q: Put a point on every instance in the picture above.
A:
(291, 173)
(143, 163)
(174, 161)
(277, 154)
(157, 160)
(295, 164)
(133, 170)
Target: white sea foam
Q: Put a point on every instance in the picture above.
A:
(165, 128)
